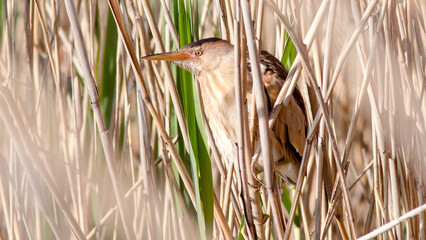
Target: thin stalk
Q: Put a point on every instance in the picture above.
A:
(321, 136)
(27, 156)
(349, 45)
(254, 214)
(311, 78)
(94, 96)
(300, 182)
(169, 78)
(170, 24)
(223, 20)
(77, 148)
(147, 170)
(263, 121)
(394, 223)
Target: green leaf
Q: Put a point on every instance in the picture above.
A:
(240, 233)
(196, 17)
(199, 158)
(107, 86)
(286, 200)
(287, 59)
(289, 53)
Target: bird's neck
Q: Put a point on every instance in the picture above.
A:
(217, 82)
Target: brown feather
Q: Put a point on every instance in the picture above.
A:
(289, 131)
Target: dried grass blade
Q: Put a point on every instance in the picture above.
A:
(94, 96)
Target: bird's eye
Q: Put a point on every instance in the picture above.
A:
(198, 53)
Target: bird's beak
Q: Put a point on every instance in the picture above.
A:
(169, 56)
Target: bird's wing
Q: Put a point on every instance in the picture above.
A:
(289, 132)
(293, 117)
(290, 126)
(274, 74)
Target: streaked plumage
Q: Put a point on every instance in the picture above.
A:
(212, 62)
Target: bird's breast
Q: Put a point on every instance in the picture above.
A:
(218, 96)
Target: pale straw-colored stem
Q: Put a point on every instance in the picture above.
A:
(321, 135)
(204, 14)
(94, 96)
(305, 61)
(223, 19)
(152, 202)
(229, 20)
(53, 60)
(348, 46)
(169, 22)
(394, 223)
(240, 161)
(28, 156)
(259, 21)
(295, 70)
(300, 182)
(354, 119)
(333, 145)
(78, 156)
(142, 88)
(251, 197)
(263, 121)
(156, 118)
(364, 171)
(227, 189)
(169, 78)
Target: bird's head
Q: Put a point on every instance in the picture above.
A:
(201, 56)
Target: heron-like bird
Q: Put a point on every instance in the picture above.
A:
(211, 60)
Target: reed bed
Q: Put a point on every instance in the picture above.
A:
(99, 144)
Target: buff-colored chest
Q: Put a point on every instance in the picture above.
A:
(218, 96)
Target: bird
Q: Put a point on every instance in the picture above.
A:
(211, 60)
